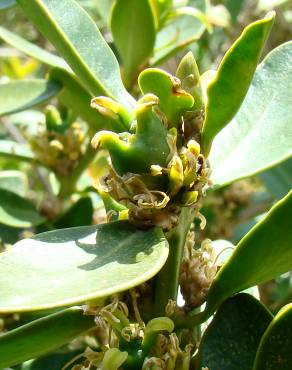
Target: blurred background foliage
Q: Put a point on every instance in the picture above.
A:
(58, 140)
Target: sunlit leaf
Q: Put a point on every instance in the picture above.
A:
(133, 30)
(227, 90)
(178, 33)
(74, 34)
(16, 96)
(260, 135)
(17, 211)
(67, 266)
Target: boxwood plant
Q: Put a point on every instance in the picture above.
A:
(155, 149)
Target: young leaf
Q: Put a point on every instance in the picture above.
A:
(178, 33)
(173, 100)
(264, 253)
(229, 87)
(274, 351)
(6, 4)
(231, 340)
(17, 211)
(67, 266)
(13, 150)
(260, 134)
(42, 336)
(16, 96)
(133, 30)
(74, 34)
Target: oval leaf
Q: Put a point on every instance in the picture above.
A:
(16, 211)
(67, 266)
(74, 34)
(231, 340)
(262, 128)
(264, 253)
(16, 96)
(42, 336)
(274, 351)
(133, 30)
(227, 90)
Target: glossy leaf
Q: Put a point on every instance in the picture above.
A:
(17, 95)
(42, 336)
(13, 150)
(264, 253)
(32, 50)
(6, 4)
(74, 34)
(231, 340)
(133, 30)
(178, 33)
(227, 90)
(17, 211)
(67, 266)
(274, 351)
(262, 129)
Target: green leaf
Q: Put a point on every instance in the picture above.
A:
(278, 179)
(73, 95)
(274, 351)
(17, 95)
(13, 150)
(231, 340)
(133, 30)
(264, 253)
(17, 211)
(173, 100)
(67, 266)
(78, 99)
(42, 336)
(32, 50)
(227, 90)
(178, 33)
(14, 181)
(262, 129)
(6, 4)
(74, 34)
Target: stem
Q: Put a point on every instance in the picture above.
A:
(167, 281)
